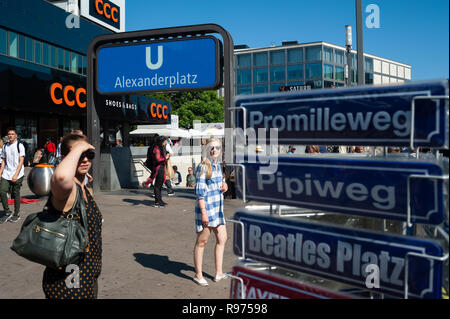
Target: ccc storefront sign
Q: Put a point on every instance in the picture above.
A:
(158, 111)
(68, 94)
(105, 9)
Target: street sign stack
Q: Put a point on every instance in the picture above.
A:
(401, 187)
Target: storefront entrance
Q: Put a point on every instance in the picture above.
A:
(48, 128)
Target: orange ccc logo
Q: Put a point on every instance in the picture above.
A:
(105, 9)
(64, 94)
(161, 110)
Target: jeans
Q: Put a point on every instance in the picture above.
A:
(5, 186)
(159, 181)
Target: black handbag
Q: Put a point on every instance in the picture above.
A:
(52, 240)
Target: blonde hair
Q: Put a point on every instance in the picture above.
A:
(206, 161)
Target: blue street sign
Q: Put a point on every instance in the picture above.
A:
(368, 115)
(171, 65)
(365, 187)
(343, 254)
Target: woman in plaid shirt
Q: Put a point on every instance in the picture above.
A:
(209, 215)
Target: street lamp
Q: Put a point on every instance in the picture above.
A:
(348, 46)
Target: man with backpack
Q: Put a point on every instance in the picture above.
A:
(11, 175)
(149, 161)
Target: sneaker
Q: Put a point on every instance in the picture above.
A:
(14, 218)
(170, 193)
(219, 278)
(202, 282)
(156, 204)
(5, 218)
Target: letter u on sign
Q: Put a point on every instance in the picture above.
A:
(148, 58)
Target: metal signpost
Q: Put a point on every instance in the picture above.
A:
(362, 186)
(343, 254)
(412, 190)
(156, 60)
(368, 115)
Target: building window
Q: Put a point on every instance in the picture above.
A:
(243, 77)
(313, 54)
(277, 57)
(328, 71)
(45, 54)
(328, 84)
(67, 60)
(243, 60)
(53, 57)
(21, 46)
(60, 58)
(277, 74)
(260, 89)
(316, 84)
(339, 73)
(260, 75)
(3, 42)
(295, 55)
(328, 54)
(73, 65)
(84, 66)
(37, 52)
(275, 87)
(243, 90)
(260, 59)
(340, 57)
(80, 66)
(12, 44)
(29, 49)
(295, 72)
(313, 71)
(369, 78)
(368, 64)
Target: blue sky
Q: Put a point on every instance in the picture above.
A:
(414, 32)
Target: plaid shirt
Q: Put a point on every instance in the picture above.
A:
(209, 190)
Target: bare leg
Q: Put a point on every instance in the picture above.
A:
(221, 239)
(199, 248)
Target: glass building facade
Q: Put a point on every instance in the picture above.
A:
(317, 65)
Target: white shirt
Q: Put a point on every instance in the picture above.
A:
(169, 149)
(11, 158)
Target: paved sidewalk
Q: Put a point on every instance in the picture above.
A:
(147, 251)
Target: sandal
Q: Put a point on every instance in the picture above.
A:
(202, 282)
(219, 278)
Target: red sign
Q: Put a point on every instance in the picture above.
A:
(259, 285)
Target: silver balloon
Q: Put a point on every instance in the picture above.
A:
(39, 180)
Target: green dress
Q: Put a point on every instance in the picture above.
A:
(54, 281)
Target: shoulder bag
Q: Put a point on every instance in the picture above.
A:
(52, 240)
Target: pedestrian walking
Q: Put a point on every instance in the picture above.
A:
(159, 169)
(190, 178)
(149, 161)
(169, 152)
(68, 179)
(209, 216)
(11, 175)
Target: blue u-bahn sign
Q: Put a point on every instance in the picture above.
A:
(368, 115)
(343, 254)
(365, 187)
(169, 65)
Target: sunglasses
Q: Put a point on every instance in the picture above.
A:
(90, 154)
(215, 147)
